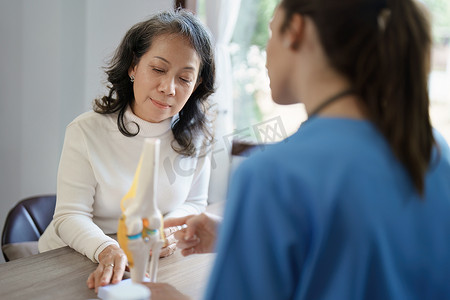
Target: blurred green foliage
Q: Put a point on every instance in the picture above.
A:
(265, 13)
(440, 12)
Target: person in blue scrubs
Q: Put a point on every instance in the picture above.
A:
(355, 205)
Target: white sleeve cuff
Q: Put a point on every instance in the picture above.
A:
(102, 247)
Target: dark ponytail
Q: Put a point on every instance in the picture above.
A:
(383, 47)
(402, 115)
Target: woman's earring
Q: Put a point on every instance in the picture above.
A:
(132, 78)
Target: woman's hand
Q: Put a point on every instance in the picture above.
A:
(111, 266)
(199, 236)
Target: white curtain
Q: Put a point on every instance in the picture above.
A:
(221, 16)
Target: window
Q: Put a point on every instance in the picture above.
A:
(440, 66)
(253, 103)
(252, 98)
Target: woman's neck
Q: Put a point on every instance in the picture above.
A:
(314, 81)
(318, 88)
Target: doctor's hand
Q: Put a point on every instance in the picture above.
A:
(110, 269)
(199, 234)
(170, 244)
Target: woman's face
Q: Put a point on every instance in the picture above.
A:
(279, 61)
(164, 78)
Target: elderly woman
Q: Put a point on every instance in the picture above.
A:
(159, 80)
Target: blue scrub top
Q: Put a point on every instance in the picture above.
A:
(332, 214)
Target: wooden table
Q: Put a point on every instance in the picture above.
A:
(62, 274)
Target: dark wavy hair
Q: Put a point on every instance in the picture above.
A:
(383, 48)
(192, 120)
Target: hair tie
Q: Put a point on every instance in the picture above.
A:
(383, 18)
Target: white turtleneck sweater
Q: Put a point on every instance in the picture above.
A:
(96, 170)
